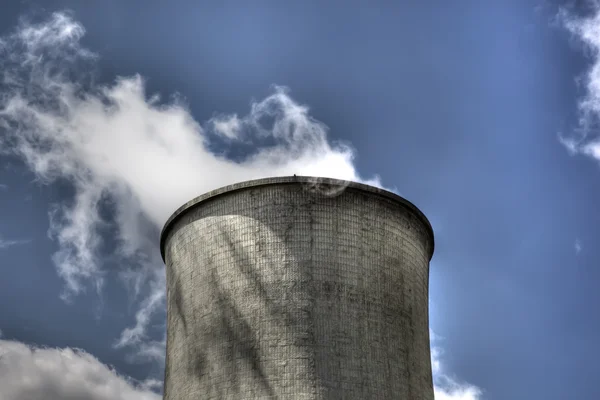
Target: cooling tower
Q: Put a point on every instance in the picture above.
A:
(298, 288)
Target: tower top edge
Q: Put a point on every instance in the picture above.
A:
(291, 180)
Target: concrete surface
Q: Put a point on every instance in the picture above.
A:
(298, 288)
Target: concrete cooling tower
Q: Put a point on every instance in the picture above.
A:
(298, 288)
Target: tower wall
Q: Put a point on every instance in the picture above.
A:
(280, 288)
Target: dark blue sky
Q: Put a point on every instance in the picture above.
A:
(458, 107)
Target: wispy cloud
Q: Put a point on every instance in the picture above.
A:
(447, 387)
(578, 246)
(5, 243)
(3, 186)
(116, 144)
(34, 373)
(229, 126)
(586, 30)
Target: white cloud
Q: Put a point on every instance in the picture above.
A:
(578, 246)
(447, 387)
(586, 30)
(114, 143)
(3, 186)
(30, 373)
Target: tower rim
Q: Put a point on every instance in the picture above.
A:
(283, 180)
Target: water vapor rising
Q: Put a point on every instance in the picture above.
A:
(115, 144)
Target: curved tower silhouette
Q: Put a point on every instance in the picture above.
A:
(298, 288)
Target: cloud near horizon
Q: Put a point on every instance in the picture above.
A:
(115, 145)
(37, 373)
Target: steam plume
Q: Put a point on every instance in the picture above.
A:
(114, 143)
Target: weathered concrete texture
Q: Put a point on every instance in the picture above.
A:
(277, 291)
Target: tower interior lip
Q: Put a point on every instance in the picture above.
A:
(283, 180)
